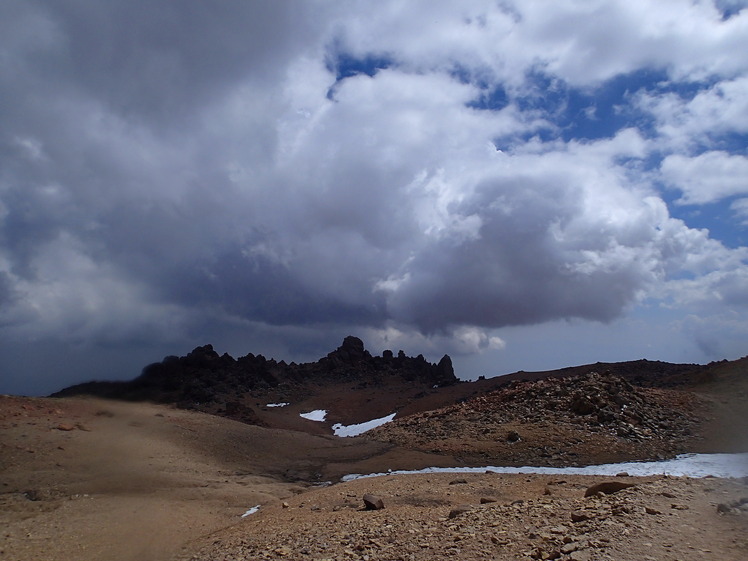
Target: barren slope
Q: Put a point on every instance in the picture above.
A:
(91, 479)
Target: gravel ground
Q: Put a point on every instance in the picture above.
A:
(495, 516)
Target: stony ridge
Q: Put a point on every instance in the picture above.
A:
(556, 421)
(207, 381)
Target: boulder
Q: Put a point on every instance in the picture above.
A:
(373, 502)
(607, 488)
(582, 406)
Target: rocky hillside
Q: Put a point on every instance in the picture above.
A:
(557, 421)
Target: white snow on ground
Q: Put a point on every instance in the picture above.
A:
(316, 415)
(277, 404)
(251, 511)
(689, 465)
(355, 430)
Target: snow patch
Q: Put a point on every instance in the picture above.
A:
(360, 428)
(685, 465)
(277, 404)
(316, 415)
(251, 511)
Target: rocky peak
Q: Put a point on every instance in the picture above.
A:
(204, 379)
(445, 369)
(351, 351)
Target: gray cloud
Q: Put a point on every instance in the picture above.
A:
(177, 173)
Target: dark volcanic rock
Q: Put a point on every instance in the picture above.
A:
(513, 436)
(351, 351)
(582, 406)
(219, 384)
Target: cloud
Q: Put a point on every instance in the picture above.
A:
(562, 234)
(706, 178)
(688, 122)
(462, 341)
(171, 175)
(582, 43)
(740, 207)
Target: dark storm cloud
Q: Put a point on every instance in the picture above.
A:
(171, 173)
(517, 269)
(158, 60)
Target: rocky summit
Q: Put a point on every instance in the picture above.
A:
(237, 388)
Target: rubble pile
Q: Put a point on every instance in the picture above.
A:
(554, 421)
(598, 401)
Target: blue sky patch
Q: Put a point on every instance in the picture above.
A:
(716, 217)
(346, 66)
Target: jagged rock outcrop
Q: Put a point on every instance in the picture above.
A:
(205, 380)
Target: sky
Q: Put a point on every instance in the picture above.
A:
(523, 185)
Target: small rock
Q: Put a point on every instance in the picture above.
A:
(607, 487)
(569, 547)
(513, 436)
(284, 504)
(579, 516)
(458, 482)
(679, 507)
(373, 502)
(34, 495)
(650, 510)
(65, 427)
(487, 500)
(622, 474)
(458, 510)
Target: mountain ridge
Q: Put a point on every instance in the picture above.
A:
(354, 386)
